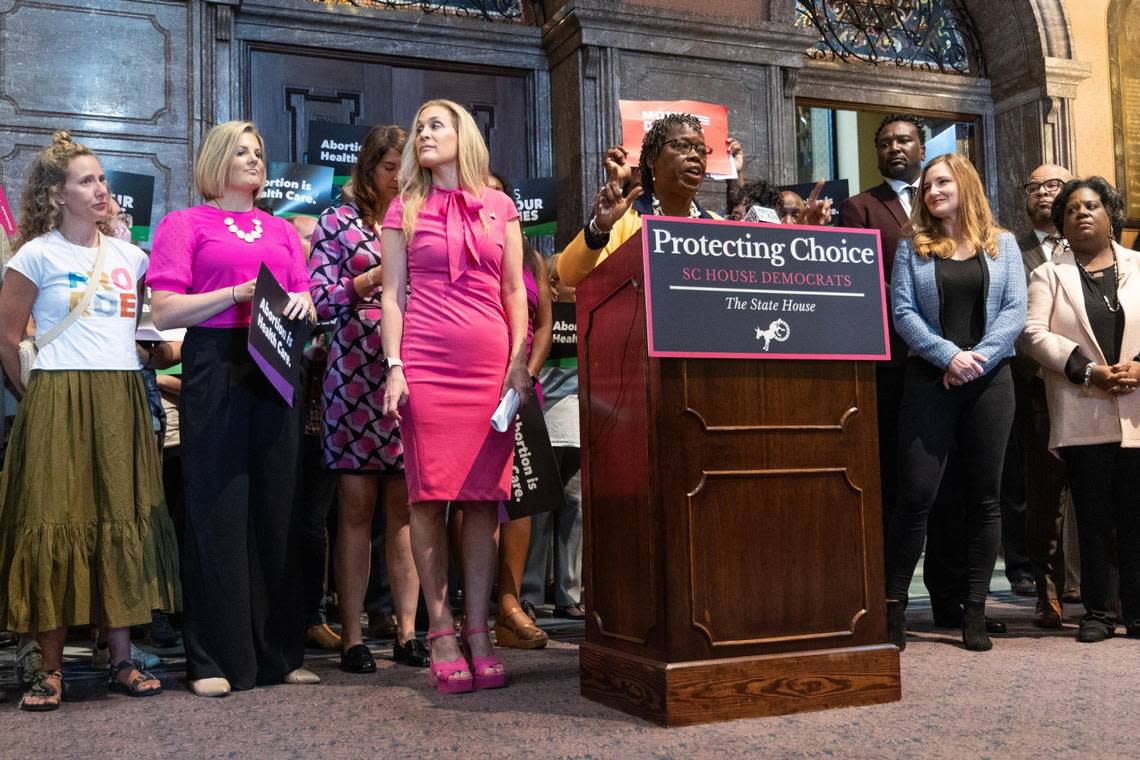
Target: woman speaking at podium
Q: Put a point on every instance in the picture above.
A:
(673, 159)
(958, 294)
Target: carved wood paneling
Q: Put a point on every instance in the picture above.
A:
(807, 402)
(166, 162)
(119, 68)
(795, 528)
(619, 490)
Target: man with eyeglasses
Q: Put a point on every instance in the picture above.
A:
(1033, 479)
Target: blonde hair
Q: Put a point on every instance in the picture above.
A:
(975, 224)
(472, 160)
(40, 210)
(213, 165)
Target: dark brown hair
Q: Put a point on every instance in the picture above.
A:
(379, 140)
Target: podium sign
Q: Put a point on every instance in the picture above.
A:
(738, 290)
(732, 549)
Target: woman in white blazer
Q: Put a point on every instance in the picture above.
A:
(1083, 327)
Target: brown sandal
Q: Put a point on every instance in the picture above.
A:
(42, 690)
(132, 686)
(517, 631)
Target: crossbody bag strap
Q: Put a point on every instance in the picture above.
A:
(84, 302)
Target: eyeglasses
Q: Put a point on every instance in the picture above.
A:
(684, 146)
(1050, 185)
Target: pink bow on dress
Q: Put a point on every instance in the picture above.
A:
(463, 228)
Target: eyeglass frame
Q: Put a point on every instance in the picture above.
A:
(692, 147)
(1032, 188)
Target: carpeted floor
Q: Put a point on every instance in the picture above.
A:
(1037, 694)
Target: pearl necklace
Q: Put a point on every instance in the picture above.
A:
(231, 225)
(694, 213)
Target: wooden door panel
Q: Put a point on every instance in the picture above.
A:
(287, 89)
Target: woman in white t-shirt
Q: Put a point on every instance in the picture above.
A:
(84, 534)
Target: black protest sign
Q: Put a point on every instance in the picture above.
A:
(537, 202)
(276, 343)
(740, 290)
(836, 190)
(292, 189)
(536, 485)
(335, 145)
(564, 339)
(135, 195)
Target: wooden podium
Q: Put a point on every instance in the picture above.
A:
(732, 539)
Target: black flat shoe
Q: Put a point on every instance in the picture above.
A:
(357, 659)
(412, 652)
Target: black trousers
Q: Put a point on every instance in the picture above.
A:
(318, 495)
(932, 419)
(1105, 481)
(241, 447)
(888, 394)
(1044, 480)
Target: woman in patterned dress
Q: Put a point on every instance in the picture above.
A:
(359, 442)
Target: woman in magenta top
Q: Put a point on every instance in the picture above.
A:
(460, 338)
(243, 623)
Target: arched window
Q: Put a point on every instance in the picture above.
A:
(933, 35)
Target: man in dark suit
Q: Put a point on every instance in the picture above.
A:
(1033, 478)
(900, 145)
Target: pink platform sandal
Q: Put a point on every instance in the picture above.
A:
(445, 676)
(482, 667)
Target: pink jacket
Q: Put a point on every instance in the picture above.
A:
(1055, 324)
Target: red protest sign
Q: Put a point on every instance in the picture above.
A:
(637, 116)
(7, 223)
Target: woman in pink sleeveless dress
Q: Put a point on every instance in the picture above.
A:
(460, 338)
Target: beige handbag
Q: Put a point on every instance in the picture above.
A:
(29, 347)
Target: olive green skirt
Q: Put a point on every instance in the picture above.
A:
(84, 532)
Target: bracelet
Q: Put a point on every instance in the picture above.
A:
(594, 229)
(1088, 373)
(233, 293)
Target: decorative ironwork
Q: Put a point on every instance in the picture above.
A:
(489, 10)
(931, 35)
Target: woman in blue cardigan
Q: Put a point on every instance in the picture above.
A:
(958, 294)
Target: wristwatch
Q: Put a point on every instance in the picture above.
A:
(391, 361)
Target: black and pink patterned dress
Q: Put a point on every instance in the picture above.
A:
(356, 437)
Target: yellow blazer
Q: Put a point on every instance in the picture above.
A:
(1055, 324)
(578, 259)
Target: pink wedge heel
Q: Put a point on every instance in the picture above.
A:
(445, 676)
(481, 665)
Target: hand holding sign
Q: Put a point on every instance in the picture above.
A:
(610, 205)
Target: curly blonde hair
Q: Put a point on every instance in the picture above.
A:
(40, 210)
(975, 225)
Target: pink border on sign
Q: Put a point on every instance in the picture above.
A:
(885, 356)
